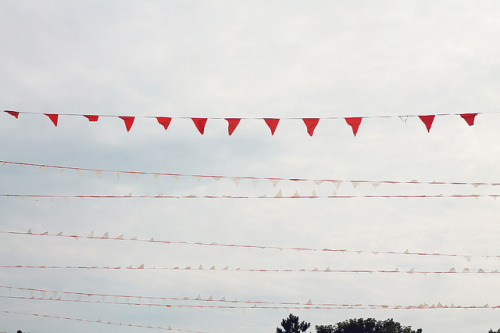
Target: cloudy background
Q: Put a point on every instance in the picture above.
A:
(253, 59)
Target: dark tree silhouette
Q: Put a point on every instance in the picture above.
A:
(292, 325)
(491, 331)
(369, 325)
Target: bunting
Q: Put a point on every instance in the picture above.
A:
(354, 123)
(311, 124)
(53, 118)
(231, 124)
(121, 237)
(200, 124)
(129, 121)
(278, 195)
(452, 270)
(236, 179)
(99, 321)
(427, 120)
(272, 123)
(284, 306)
(164, 121)
(91, 118)
(469, 118)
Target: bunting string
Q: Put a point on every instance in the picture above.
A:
(273, 307)
(242, 304)
(99, 321)
(272, 123)
(121, 237)
(279, 195)
(255, 270)
(237, 179)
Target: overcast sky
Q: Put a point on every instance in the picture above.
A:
(253, 59)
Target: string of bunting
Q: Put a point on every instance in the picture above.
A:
(255, 304)
(308, 306)
(237, 179)
(99, 321)
(278, 195)
(121, 237)
(255, 270)
(272, 123)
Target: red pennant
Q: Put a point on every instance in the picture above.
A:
(200, 124)
(129, 121)
(14, 114)
(354, 123)
(311, 124)
(427, 120)
(164, 121)
(91, 117)
(272, 123)
(231, 124)
(53, 117)
(469, 118)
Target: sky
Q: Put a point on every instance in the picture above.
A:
(384, 61)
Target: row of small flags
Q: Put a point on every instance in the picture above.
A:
(272, 123)
(142, 266)
(235, 304)
(121, 237)
(236, 179)
(98, 321)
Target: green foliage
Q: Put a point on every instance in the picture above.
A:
(491, 331)
(292, 325)
(369, 325)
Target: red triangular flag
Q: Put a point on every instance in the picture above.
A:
(129, 121)
(53, 117)
(354, 123)
(311, 124)
(14, 114)
(469, 118)
(91, 117)
(164, 121)
(200, 124)
(427, 120)
(272, 123)
(231, 124)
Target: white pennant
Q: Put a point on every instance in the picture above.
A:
(236, 180)
(279, 194)
(98, 172)
(337, 183)
(274, 182)
(255, 181)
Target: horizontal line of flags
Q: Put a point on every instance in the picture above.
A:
(237, 179)
(278, 195)
(309, 305)
(99, 321)
(45, 294)
(452, 270)
(121, 237)
(232, 123)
